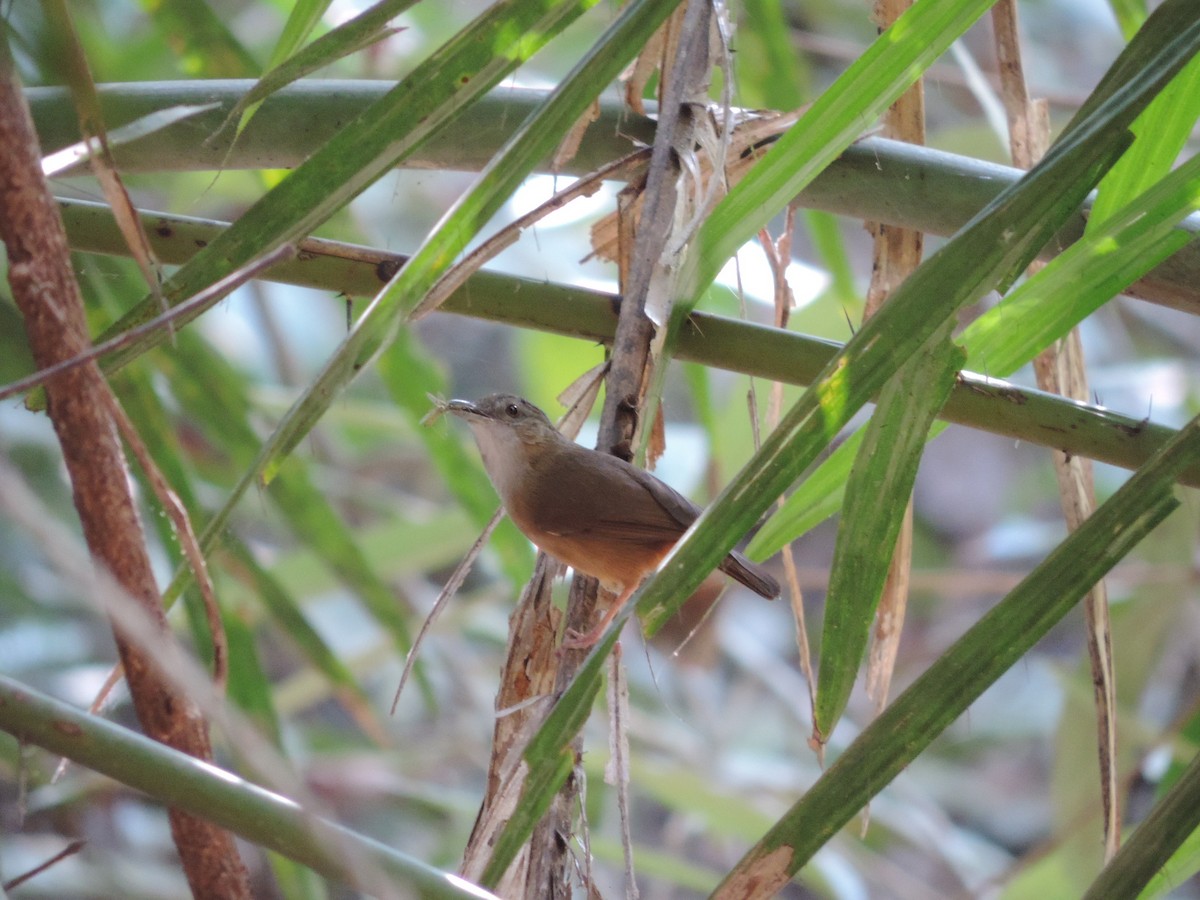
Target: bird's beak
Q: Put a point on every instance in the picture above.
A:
(465, 409)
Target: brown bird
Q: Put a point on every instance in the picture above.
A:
(598, 514)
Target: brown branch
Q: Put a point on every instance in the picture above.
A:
(184, 533)
(629, 378)
(779, 256)
(527, 682)
(897, 253)
(584, 186)
(1060, 369)
(40, 275)
(646, 240)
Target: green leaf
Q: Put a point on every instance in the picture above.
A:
(1161, 133)
(458, 73)
(967, 669)
(249, 686)
(826, 233)
(877, 496)
(1130, 15)
(301, 21)
(1173, 821)
(768, 66)
(288, 63)
(817, 498)
(868, 87)
(203, 42)
(318, 525)
(283, 609)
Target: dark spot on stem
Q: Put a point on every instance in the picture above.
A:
(387, 269)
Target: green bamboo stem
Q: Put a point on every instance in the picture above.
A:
(302, 117)
(256, 814)
(875, 179)
(989, 405)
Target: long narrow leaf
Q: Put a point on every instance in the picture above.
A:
(871, 84)
(282, 607)
(1164, 851)
(1162, 131)
(301, 21)
(459, 72)
(288, 63)
(1072, 286)
(201, 39)
(877, 495)
(964, 672)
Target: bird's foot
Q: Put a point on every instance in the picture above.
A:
(585, 641)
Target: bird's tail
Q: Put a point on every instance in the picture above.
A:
(752, 575)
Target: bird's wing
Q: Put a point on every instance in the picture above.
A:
(601, 495)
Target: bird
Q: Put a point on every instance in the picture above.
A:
(595, 512)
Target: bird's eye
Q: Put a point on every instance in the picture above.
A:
(512, 410)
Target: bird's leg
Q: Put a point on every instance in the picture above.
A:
(575, 641)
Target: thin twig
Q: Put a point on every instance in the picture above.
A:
(210, 295)
(585, 186)
(447, 593)
(186, 536)
(70, 850)
(616, 772)
(1060, 369)
(779, 254)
